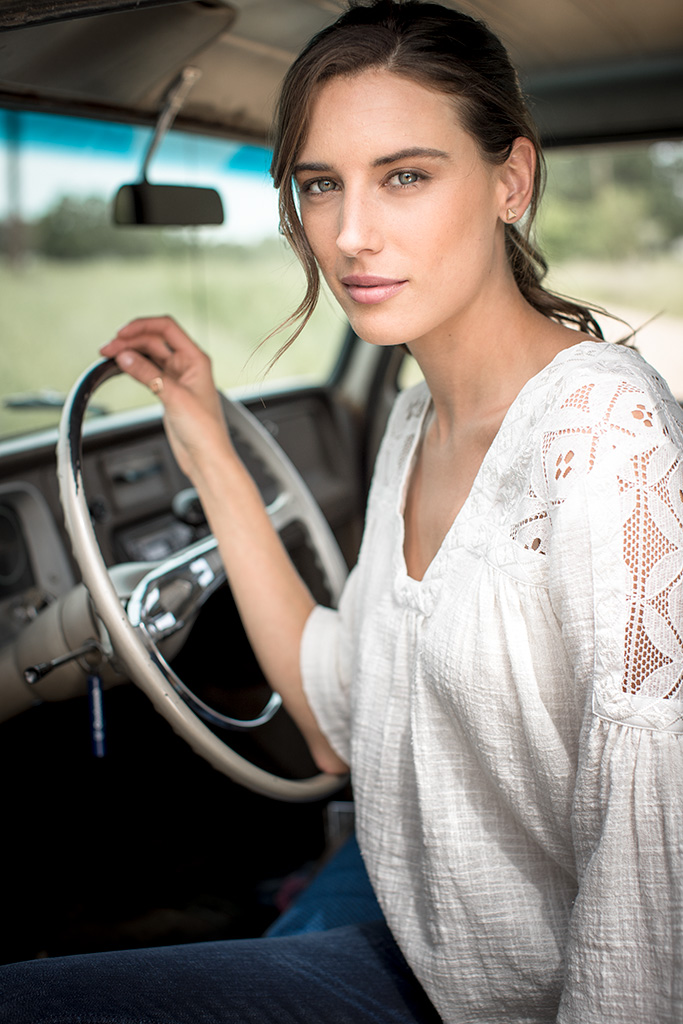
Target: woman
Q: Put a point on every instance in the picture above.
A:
(503, 674)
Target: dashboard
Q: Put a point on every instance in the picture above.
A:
(34, 567)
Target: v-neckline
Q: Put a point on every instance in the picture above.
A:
(408, 471)
(461, 515)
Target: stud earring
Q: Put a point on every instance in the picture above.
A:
(511, 214)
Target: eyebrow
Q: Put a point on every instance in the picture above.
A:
(311, 167)
(381, 161)
(409, 154)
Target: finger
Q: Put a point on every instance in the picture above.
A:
(141, 369)
(163, 326)
(150, 345)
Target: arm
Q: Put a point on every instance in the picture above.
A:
(271, 597)
(624, 960)
(617, 576)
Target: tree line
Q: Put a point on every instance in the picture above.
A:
(613, 204)
(599, 204)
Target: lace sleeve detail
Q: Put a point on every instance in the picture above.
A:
(625, 439)
(652, 510)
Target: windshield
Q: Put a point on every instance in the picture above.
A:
(69, 277)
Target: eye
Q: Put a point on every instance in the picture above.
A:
(319, 186)
(405, 178)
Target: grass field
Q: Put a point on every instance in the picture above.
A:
(649, 298)
(55, 315)
(654, 286)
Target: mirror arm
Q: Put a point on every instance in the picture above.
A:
(175, 98)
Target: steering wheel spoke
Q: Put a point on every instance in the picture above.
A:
(168, 596)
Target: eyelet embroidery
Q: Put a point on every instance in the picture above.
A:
(641, 413)
(567, 459)
(652, 503)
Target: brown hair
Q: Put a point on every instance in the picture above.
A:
(442, 49)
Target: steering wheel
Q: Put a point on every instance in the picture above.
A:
(171, 593)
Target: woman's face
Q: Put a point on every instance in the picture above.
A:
(402, 213)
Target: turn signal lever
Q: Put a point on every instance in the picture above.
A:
(34, 673)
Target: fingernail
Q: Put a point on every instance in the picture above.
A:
(125, 359)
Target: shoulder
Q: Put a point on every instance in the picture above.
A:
(403, 427)
(406, 416)
(600, 382)
(604, 411)
(409, 406)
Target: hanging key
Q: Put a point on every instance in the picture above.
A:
(97, 725)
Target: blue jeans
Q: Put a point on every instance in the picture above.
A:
(349, 975)
(352, 973)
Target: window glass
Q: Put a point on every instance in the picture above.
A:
(611, 226)
(69, 277)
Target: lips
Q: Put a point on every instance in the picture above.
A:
(368, 288)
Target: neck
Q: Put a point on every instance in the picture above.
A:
(475, 369)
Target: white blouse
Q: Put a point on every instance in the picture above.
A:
(514, 720)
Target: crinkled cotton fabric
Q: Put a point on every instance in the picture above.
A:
(514, 720)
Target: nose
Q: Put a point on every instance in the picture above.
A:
(359, 225)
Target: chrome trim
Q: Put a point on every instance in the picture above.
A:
(157, 619)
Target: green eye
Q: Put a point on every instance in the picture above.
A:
(407, 177)
(322, 185)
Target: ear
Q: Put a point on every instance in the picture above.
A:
(517, 180)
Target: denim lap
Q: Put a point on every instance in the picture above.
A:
(353, 974)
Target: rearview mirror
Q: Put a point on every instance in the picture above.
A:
(167, 205)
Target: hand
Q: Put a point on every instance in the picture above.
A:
(158, 353)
